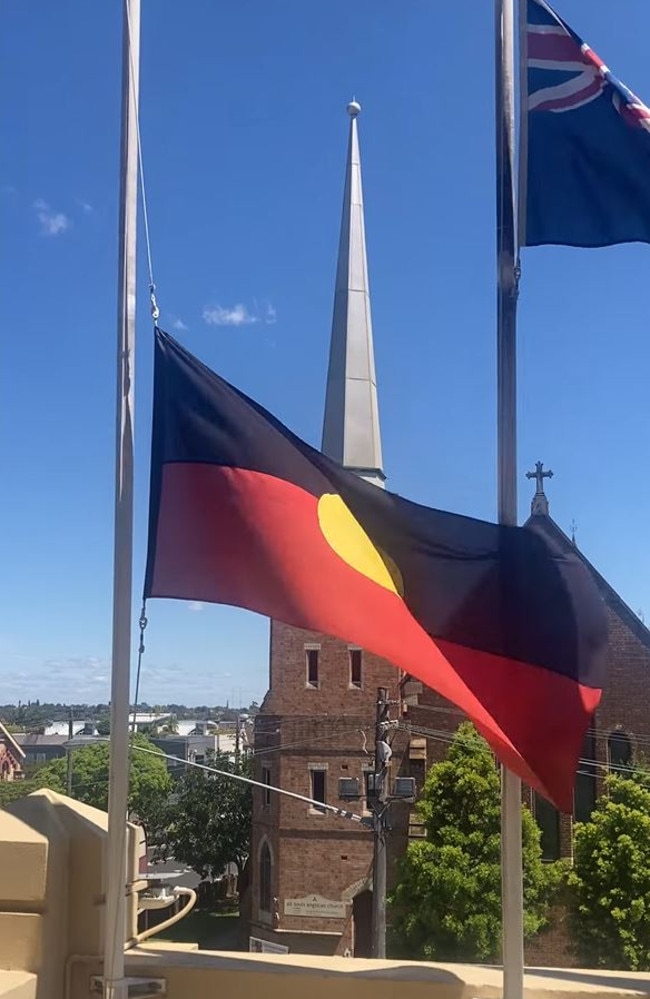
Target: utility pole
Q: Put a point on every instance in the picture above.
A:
(383, 753)
(69, 760)
(242, 717)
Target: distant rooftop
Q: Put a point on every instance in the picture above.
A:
(23, 739)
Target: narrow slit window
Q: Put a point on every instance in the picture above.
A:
(318, 785)
(265, 878)
(548, 820)
(266, 779)
(312, 667)
(356, 661)
(585, 786)
(619, 748)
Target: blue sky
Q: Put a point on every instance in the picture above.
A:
(244, 132)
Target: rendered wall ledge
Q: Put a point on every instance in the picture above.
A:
(204, 974)
(17, 985)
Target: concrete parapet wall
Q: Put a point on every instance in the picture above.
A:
(52, 889)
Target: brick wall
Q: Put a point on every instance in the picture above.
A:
(329, 727)
(290, 694)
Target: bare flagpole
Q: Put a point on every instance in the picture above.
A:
(507, 289)
(115, 986)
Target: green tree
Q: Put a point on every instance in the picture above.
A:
(447, 903)
(12, 789)
(610, 880)
(210, 818)
(149, 780)
(104, 726)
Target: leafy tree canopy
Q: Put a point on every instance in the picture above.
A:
(209, 822)
(610, 879)
(149, 780)
(447, 903)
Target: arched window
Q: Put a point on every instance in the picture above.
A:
(548, 820)
(585, 786)
(620, 751)
(265, 878)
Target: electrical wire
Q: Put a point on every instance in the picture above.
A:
(320, 805)
(592, 730)
(179, 765)
(439, 735)
(310, 742)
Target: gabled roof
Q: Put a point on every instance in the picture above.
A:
(42, 740)
(11, 742)
(545, 523)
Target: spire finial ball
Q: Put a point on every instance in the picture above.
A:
(353, 108)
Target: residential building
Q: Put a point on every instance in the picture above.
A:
(39, 749)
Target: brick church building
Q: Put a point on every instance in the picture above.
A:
(620, 729)
(311, 871)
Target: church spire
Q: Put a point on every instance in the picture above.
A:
(351, 425)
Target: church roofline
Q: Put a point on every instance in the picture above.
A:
(609, 594)
(16, 749)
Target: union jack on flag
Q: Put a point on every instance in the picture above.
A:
(564, 72)
(587, 174)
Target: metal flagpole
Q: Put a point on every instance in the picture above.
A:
(507, 289)
(115, 986)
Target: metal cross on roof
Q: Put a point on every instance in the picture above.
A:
(540, 502)
(539, 475)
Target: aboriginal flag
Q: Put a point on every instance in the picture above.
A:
(243, 512)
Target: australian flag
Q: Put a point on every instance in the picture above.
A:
(585, 153)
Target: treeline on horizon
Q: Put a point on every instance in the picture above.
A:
(37, 713)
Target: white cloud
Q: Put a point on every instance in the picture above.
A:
(179, 325)
(86, 208)
(52, 223)
(237, 315)
(195, 605)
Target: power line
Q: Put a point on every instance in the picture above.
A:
(320, 805)
(310, 742)
(438, 735)
(180, 765)
(592, 730)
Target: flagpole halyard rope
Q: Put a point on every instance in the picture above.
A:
(155, 310)
(142, 624)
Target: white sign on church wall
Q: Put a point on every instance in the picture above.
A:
(258, 946)
(314, 905)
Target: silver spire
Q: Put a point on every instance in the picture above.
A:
(351, 425)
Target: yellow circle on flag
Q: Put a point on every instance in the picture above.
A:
(347, 538)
